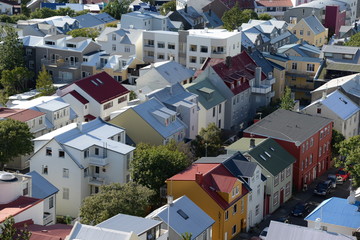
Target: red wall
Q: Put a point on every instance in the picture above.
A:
(334, 19)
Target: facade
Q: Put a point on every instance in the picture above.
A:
(79, 158)
(218, 193)
(334, 20)
(146, 20)
(9, 7)
(275, 9)
(219, 7)
(189, 17)
(304, 136)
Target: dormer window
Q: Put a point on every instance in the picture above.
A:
(235, 191)
(71, 45)
(49, 43)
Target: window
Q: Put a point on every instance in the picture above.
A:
(282, 176)
(301, 32)
(48, 151)
(171, 46)
(310, 159)
(220, 108)
(306, 162)
(234, 230)
(235, 209)
(97, 151)
(66, 193)
(214, 111)
(192, 59)
(318, 110)
(202, 60)
(257, 210)
(235, 191)
(114, 37)
(51, 202)
(65, 173)
(150, 42)
(161, 56)
(127, 49)
(310, 67)
(193, 48)
(258, 190)
(347, 56)
(276, 198)
(294, 32)
(320, 151)
(203, 49)
(86, 153)
(61, 153)
(294, 66)
(113, 47)
(288, 171)
(128, 161)
(44, 169)
(161, 45)
(150, 53)
(226, 215)
(308, 33)
(311, 142)
(86, 172)
(108, 105)
(287, 189)
(122, 99)
(97, 170)
(276, 180)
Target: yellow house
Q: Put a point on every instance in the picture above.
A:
(218, 193)
(311, 30)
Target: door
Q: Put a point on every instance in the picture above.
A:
(281, 196)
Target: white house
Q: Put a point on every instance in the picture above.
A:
(145, 20)
(79, 158)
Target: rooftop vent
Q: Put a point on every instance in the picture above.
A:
(7, 177)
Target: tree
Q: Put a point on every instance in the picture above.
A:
(350, 150)
(82, 12)
(44, 83)
(15, 140)
(354, 41)
(286, 101)
(84, 32)
(248, 14)
(43, 13)
(16, 80)
(65, 12)
(265, 16)
(130, 198)
(167, 7)
(186, 236)
(132, 95)
(9, 232)
(116, 8)
(11, 49)
(208, 142)
(234, 17)
(336, 139)
(152, 165)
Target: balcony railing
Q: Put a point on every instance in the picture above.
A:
(48, 218)
(98, 161)
(270, 81)
(261, 89)
(97, 181)
(60, 63)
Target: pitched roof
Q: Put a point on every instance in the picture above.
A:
(274, 3)
(288, 126)
(40, 187)
(314, 24)
(340, 49)
(337, 211)
(50, 232)
(197, 220)
(189, 173)
(17, 206)
(101, 87)
(243, 144)
(243, 4)
(22, 115)
(341, 82)
(271, 156)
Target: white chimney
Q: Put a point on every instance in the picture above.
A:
(257, 76)
(324, 95)
(79, 126)
(351, 198)
(318, 223)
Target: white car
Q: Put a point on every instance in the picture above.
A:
(264, 233)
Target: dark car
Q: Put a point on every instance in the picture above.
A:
(323, 188)
(300, 209)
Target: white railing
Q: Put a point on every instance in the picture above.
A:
(261, 90)
(98, 161)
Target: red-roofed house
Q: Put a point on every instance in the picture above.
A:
(95, 96)
(275, 8)
(242, 83)
(217, 192)
(219, 7)
(52, 232)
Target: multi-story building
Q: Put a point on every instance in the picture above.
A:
(275, 9)
(146, 20)
(79, 158)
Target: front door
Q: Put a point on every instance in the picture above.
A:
(281, 196)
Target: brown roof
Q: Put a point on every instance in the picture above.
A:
(17, 206)
(22, 115)
(51, 232)
(275, 3)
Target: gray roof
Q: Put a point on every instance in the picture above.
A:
(82, 232)
(40, 187)
(55, 37)
(314, 24)
(288, 126)
(196, 223)
(128, 223)
(340, 49)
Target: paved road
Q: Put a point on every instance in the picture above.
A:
(341, 190)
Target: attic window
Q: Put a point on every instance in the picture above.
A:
(272, 149)
(71, 45)
(99, 81)
(95, 83)
(49, 43)
(267, 154)
(181, 213)
(262, 157)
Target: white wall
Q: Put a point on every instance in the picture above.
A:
(35, 213)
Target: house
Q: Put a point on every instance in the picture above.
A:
(217, 192)
(146, 20)
(62, 24)
(311, 30)
(144, 228)
(36, 29)
(282, 231)
(347, 31)
(43, 189)
(54, 231)
(79, 158)
(304, 136)
(150, 122)
(211, 103)
(95, 20)
(243, 145)
(250, 174)
(95, 96)
(185, 103)
(190, 18)
(197, 5)
(219, 7)
(10, 7)
(275, 9)
(340, 109)
(183, 216)
(327, 216)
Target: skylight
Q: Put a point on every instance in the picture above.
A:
(181, 213)
(95, 83)
(263, 157)
(272, 149)
(99, 81)
(267, 154)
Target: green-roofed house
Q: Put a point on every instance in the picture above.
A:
(211, 103)
(277, 165)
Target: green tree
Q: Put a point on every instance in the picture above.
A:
(65, 12)
(186, 236)
(43, 13)
(84, 32)
(247, 15)
(11, 49)
(336, 139)
(208, 142)
(16, 80)
(3, 97)
(129, 198)
(6, 18)
(349, 149)
(354, 41)
(113, 25)
(44, 83)
(234, 17)
(15, 140)
(286, 101)
(167, 7)
(132, 95)
(82, 12)
(265, 16)
(9, 232)
(152, 165)
(116, 8)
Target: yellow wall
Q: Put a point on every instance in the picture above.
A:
(314, 39)
(137, 129)
(279, 85)
(193, 191)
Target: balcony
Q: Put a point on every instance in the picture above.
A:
(98, 161)
(60, 63)
(270, 81)
(47, 218)
(264, 89)
(97, 181)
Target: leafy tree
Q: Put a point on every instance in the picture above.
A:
(15, 140)
(336, 139)
(16, 80)
(44, 83)
(129, 198)
(9, 232)
(265, 16)
(11, 49)
(65, 12)
(248, 14)
(208, 142)
(132, 95)
(286, 101)
(82, 12)
(167, 7)
(43, 13)
(6, 18)
(3, 97)
(116, 8)
(186, 236)
(354, 41)
(350, 149)
(114, 25)
(24, 9)
(152, 165)
(84, 32)
(234, 17)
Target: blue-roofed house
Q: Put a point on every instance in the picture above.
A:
(337, 215)
(43, 189)
(185, 103)
(338, 107)
(184, 216)
(146, 20)
(151, 122)
(79, 158)
(95, 20)
(190, 18)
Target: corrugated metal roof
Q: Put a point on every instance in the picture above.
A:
(41, 188)
(82, 231)
(340, 49)
(314, 24)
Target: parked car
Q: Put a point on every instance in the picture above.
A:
(342, 175)
(323, 188)
(332, 178)
(264, 233)
(300, 209)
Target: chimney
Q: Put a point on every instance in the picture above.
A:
(356, 26)
(257, 76)
(79, 126)
(210, 13)
(252, 143)
(323, 95)
(249, 50)
(185, 9)
(318, 223)
(199, 178)
(228, 61)
(351, 198)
